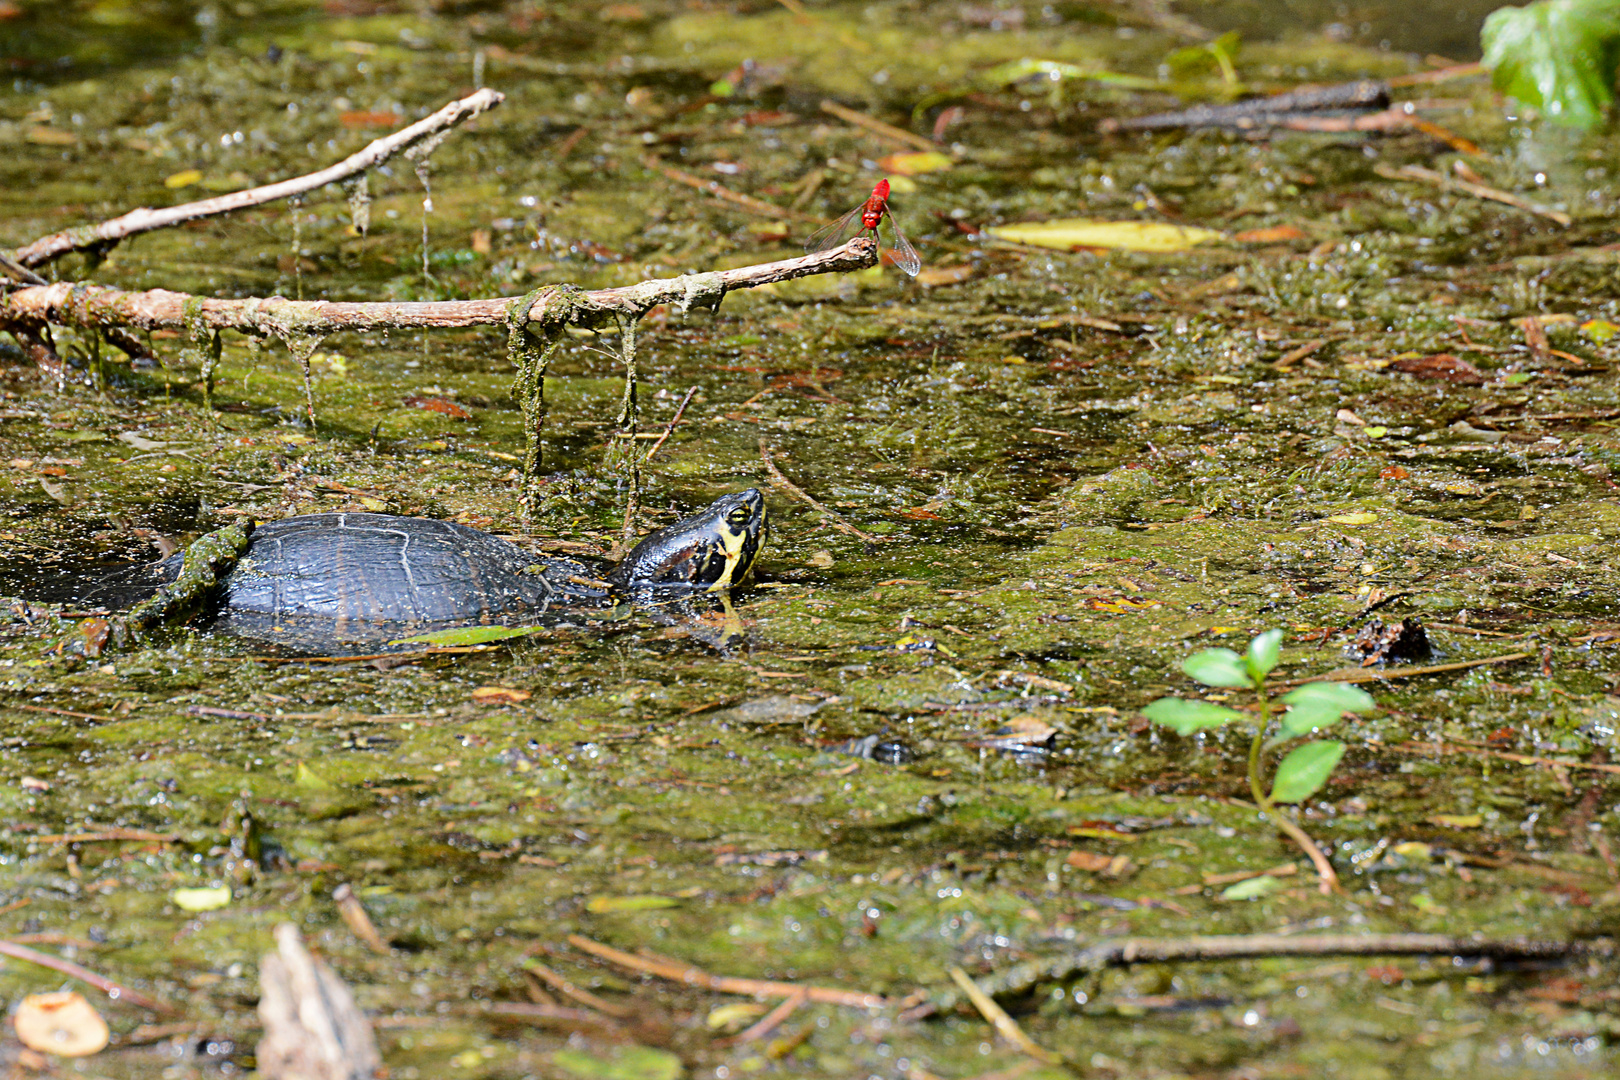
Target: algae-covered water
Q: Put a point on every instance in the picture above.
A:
(1071, 470)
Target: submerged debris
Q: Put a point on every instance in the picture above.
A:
(1400, 643)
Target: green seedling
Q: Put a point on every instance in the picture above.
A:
(1308, 709)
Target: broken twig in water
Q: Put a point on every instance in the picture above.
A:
(72, 970)
(1361, 675)
(146, 219)
(676, 971)
(676, 419)
(809, 500)
(1020, 977)
(1005, 1025)
(73, 304)
(1259, 113)
(1469, 187)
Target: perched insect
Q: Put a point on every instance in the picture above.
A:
(865, 218)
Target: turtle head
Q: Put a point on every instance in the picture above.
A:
(706, 552)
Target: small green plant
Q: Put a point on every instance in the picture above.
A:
(1309, 708)
(1559, 56)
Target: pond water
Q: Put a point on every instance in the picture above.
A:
(1042, 479)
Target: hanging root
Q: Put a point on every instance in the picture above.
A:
(531, 356)
(203, 349)
(302, 347)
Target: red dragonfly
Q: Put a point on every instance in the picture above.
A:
(866, 217)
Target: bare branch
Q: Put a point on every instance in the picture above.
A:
(71, 304)
(146, 219)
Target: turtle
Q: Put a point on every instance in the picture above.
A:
(330, 582)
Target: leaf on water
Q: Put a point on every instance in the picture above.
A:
(1262, 654)
(1218, 667)
(310, 780)
(1186, 717)
(1251, 888)
(1303, 772)
(1353, 519)
(1442, 366)
(1319, 705)
(734, 1016)
(1070, 234)
(1274, 234)
(61, 1023)
(184, 178)
(915, 164)
(1457, 821)
(1557, 55)
(208, 899)
(499, 695)
(627, 1063)
(468, 635)
(603, 904)
(1599, 330)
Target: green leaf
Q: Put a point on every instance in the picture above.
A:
(600, 905)
(1557, 55)
(626, 1063)
(1262, 655)
(1251, 888)
(208, 899)
(1218, 667)
(1319, 705)
(1303, 772)
(469, 635)
(1187, 717)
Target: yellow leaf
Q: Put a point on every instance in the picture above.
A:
(1599, 330)
(1072, 233)
(600, 904)
(1354, 519)
(310, 780)
(733, 1016)
(378, 506)
(915, 164)
(201, 899)
(44, 136)
(60, 1023)
(1457, 821)
(499, 695)
(292, 438)
(182, 179)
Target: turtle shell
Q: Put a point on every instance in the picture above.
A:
(371, 577)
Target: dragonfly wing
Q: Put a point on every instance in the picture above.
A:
(835, 234)
(902, 254)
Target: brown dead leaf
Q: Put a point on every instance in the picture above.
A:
(438, 405)
(932, 277)
(369, 119)
(1273, 234)
(62, 1023)
(1089, 861)
(1443, 366)
(500, 695)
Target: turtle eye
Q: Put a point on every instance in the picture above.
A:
(739, 517)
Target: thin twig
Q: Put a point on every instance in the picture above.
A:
(1521, 759)
(681, 408)
(108, 834)
(769, 1022)
(1004, 1024)
(878, 127)
(93, 305)
(1361, 675)
(1467, 187)
(1327, 880)
(358, 920)
(565, 986)
(1120, 951)
(146, 219)
(725, 194)
(557, 1015)
(67, 967)
(809, 500)
(676, 971)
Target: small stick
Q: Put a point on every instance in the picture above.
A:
(552, 1014)
(1361, 675)
(76, 304)
(145, 219)
(1522, 759)
(1004, 1024)
(671, 427)
(725, 194)
(805, 497)
(676, 971)
(565, 986)
(769, 1022)
(1468, 187)
(108, 834)
(359, 921)
(67, 967)
(1122, 951)
(878, 127)
(62, 712)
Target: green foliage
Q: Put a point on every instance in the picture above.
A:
(1218, 667)
(1557, 55)
(1186, 717)
(1303, 772)
(1318, 705)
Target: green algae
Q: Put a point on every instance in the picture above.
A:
(1182, 493)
